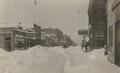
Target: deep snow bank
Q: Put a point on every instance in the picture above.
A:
(35, 60)
(90, 62)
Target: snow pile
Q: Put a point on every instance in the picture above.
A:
(55, 60)
(89, 62)
(75, 54)
(59, 50)
(35, 60)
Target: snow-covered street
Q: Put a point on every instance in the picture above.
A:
(56, 60)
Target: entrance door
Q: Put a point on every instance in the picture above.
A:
(117, 44)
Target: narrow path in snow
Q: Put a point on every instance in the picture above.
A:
(88, 62)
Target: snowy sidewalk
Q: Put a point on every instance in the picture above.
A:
(91, 62)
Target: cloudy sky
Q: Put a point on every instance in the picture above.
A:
(68, 15)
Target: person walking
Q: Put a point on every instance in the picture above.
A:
(105, 50)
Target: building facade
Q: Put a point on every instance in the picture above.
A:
(31, 39)
(97, 23)
(12, 38)
(37, 29)
(16, 38)
(113, 11)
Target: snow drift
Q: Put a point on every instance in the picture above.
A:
(35, 60)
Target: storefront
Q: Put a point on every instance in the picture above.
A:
(12, 38)
(19, 39)
(31, 39)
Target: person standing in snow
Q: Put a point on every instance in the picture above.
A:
(87, 43)
(83, 43)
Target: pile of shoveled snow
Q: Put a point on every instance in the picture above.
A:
(34, 60)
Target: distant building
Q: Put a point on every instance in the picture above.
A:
(44, 39)
(53, 36)
(16, 38)
(37, 29)
(12, 38)
(55, 31)
(67, 41)
(97, 23)
(113, 42)
(31, 39)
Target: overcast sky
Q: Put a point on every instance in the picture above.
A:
(68, 15)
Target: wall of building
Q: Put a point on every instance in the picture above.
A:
(30, 39)
(98, 23)
(19, 39)
(113, 10)
(111, 32)
(116, 13)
